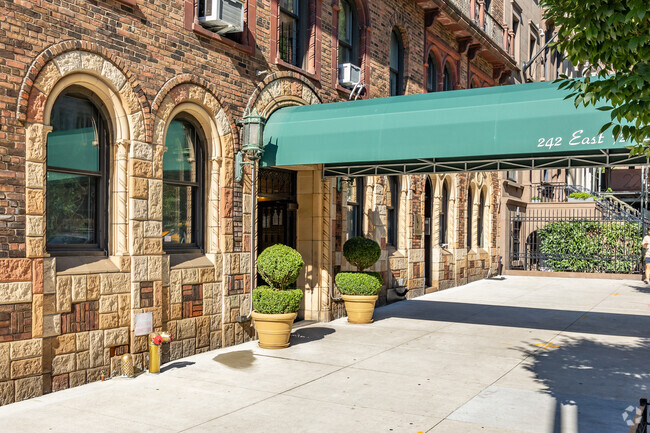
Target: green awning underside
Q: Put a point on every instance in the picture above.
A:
(518, 127)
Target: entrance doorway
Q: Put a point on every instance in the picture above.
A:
(276, 220)
(428, 209)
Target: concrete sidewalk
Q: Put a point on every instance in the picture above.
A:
(514, 355)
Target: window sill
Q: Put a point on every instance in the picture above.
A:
(513, 184)
(202, 31)
(132, 3)
(188, 260)
(312, 76)
(75, 265)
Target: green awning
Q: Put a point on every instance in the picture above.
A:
(521, 126)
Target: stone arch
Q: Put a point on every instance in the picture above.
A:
(282, 89)
(453, 67)
(202, 105)
(52, 72)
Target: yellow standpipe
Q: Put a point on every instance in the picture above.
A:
(154, 350)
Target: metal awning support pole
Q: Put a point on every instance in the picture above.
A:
(530, 62)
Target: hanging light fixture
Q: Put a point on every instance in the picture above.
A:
(252, 141)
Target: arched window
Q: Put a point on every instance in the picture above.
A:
(470, 205)
(447, 78)
(77, 167)
(355, 207)
(183, 185)
(396, 64)
(481, 220)
(348, 34)
(392, 200)
(444, 209)
(432, 74)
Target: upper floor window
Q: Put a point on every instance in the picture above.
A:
(392, 199)
(447, 78)
(444, 209)
(77, 167)
(348, 34)
(182, 186)
(432, 74)
(396, 64)
(355, 207)
(294, 32)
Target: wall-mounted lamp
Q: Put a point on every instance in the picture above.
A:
(252, 141)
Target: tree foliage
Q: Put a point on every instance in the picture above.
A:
(613, 38)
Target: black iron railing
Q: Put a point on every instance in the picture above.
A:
(640, 422)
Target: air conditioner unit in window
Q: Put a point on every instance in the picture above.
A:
(349, 75)
(222, 16)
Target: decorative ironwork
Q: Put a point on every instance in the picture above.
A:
(276, 184)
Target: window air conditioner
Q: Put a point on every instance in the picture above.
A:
(349, 75)
(222, 16)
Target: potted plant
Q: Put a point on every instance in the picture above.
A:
(580, 197)
(359, 289)
(535, 199)
(275, 305)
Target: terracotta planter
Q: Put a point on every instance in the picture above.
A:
(273, 330)
(359, 308)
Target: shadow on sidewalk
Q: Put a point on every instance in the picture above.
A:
(175, 365)
(307, 335)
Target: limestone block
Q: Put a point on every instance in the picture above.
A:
(63, 294)
(215, 340)
(158, 294)
(155, 199)
(34, 225)
(154, 268)
(79, 288)
(136, 123)
(139, 268)
(64, 344)
(138, 209)
(115, 283)
(11, 293)
(26, 367)
(141, 150)
(189, 347)
(26, 348)
(141, 168)
(190, 276)
(34, 174)
(64, 363)
(29, 387)
(108, 304)
(68, 62)
(206, 275)
(6, 392)
(109, 320)
(83, 341)
(152, 229)
(131, 100)
(152, 246)
(176, 311)
(37, 316)
(94, 374)
(35, 246)
(47, 78)
(83, 360)
(49, 275)
(157, 161)
(51, 325)
(5, 361)
(77, 377)
(113, 74)
(35, 201)
(116, 366)
(124, 309)
(91, 61)
(96, 348)
(215, 322)
(202, 331)
(175, 350)
(139, 188)
(186, 328)
(116, 337)
(228, 335)
(92, 287)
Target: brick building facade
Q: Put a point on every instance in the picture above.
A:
(66, 314)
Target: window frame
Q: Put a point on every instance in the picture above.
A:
(353, 28)
(101, 189)
(432, 65)
(447, 78)
(398, 72)
(392, 212)
(481, 221)
(443, 237)
(198, 190)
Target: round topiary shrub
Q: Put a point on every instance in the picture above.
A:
(279, 266)
(361, 252)
(269, 301)
(359, 283)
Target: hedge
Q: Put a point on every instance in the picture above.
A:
(591, 246)
(361, 252)
(359, 283)
(269, 301)
(280, 266)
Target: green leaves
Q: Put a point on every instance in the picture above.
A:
(613, 35)
(269, 301)
(361, 252)
(359, 283)
(279, 265)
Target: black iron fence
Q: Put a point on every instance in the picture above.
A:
(574, 240)
(640, 421)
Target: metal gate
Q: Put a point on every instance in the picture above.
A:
(574, 240)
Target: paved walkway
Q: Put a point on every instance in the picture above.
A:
(514, 355)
